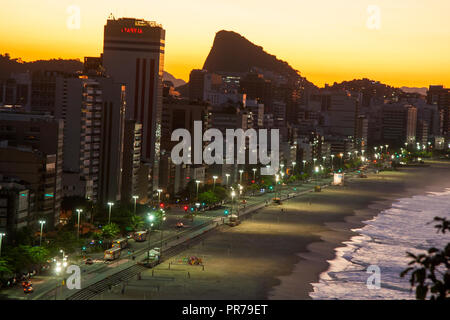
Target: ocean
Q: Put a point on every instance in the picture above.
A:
(383, 242)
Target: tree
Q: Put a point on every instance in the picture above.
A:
(430, 272)
(38, 255)
(5, 268)
(110, 231)
(208, 197)
(136, 222)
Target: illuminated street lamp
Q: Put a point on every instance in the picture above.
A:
(110, 204)
(332, 162)
(227, 175)
(240, 175)
(254, 173)
(78, 229)
(214, 179)
(304, 163)
(293, 167)
(197, 182)
(233, 194)
(42, 222)
(151, 217)
(2, 234)
(135, 199)
(159, 195)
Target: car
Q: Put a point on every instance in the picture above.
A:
(89, 261)
(179, 224)
(28, 289)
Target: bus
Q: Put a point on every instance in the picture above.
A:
(140, 236)
(112, 254)
(120, 243)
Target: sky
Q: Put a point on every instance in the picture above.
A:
(397, 42)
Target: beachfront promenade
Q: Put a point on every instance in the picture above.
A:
(170, 239)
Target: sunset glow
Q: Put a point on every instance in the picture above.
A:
(325, 40)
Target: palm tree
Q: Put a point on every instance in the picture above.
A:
(136, 222)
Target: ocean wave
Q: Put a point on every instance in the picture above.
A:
(383, 242)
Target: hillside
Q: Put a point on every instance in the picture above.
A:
(231, 52)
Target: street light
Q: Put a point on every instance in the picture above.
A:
(240, 175)
(42, 222)
(214, 181)
(293, 167)
(317, 173)
(135, 198)
(1, 237)
(254, 173)
(227, 175)
(110, 204)
(197, 182)
(233, 194)
(151, 217)
(159, 195)
(304, 163)
(332, 162)
(78, 232)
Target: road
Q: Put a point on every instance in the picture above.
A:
(102, 275)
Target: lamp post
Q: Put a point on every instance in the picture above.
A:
(277, 177)
(160, 247)
(227, 175)
(332, 162)
(1, 237)
(110, 204)
(135, 198)
(304, 163)
(233, 194)
(293, 167)
(254, 173)
(240, 175)
(317, 173)
(78, 225)
(197, 182)
(214, 182)
(151, 217)
(159, 195)
(42, 222)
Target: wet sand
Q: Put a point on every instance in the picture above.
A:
(274, 254)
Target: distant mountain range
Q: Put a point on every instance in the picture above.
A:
(8, 66)
(176, 82)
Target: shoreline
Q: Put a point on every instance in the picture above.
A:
(274, 255)
(315, 261)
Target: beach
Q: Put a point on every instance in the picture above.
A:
(275, 254)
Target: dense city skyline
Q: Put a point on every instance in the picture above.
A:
(332, 42)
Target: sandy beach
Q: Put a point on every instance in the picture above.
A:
(275, 254)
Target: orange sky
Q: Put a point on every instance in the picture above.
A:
(327, 40)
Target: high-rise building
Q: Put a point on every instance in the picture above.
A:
(399, 124)
(93, 110)
(43, 134)
(440, 96)
(38, 171)
(16, 203)
(133, 54)
(131, 159)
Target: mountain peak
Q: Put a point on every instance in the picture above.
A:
(231, 52)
